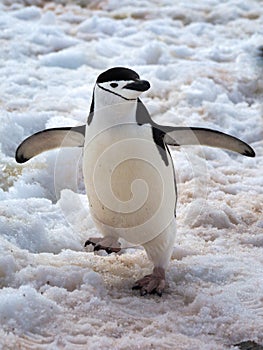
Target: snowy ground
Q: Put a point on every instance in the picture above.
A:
(201, 61)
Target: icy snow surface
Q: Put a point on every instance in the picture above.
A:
(201, 60)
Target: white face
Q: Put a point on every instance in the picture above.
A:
(119, 91)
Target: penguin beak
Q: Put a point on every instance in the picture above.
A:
(138, 85)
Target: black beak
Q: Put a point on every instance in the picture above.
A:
(138, 85)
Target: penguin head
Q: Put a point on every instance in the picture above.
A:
(119, 84)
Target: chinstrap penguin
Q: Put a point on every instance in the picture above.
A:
(128, 170)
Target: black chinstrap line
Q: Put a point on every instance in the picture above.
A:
(115, 93)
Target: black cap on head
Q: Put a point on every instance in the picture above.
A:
(117, 73)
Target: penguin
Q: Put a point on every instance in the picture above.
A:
(128, 170)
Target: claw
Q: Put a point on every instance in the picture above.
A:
(136, 286)
(143, 292)
(110, 250)
(159, 293)
(109, 244)
(93, 241)
(88, 242)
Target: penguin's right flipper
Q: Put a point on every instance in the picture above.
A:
(50, 139)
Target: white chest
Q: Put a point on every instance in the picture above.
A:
(127, 182)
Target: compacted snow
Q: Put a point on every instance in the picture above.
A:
(202, 60)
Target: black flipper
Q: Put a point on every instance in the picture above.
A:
(49, 139)
(182, 136)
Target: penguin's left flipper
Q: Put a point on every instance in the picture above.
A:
(153, 283)
(182, 136)
(50, 139)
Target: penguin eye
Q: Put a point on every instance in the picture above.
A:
(114, 85)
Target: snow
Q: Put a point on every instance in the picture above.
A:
(201, 60)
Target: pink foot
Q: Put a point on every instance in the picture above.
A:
(153, 283)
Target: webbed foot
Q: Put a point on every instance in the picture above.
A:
(153, 283)
(109, 244)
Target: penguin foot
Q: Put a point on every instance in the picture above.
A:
(153, 283)
(109, 244)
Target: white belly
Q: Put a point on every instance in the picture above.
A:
(131, 191)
